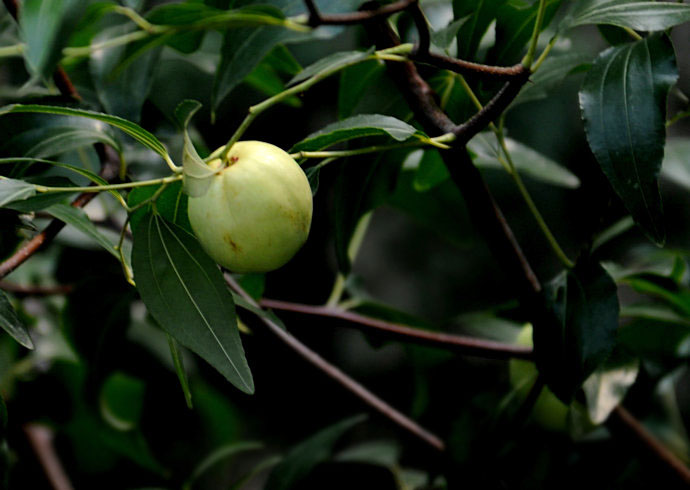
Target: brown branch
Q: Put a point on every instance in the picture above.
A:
(457, 343)
(467, 68)
(422, 25)
(621, 418)
(41, 440)
(21, 290)
(342, 378)
(318, 19)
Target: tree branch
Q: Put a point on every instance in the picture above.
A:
(466, 68)
(21, 290)
(41, 440)
(343, 379)
(456, 343)
(422, 29)
(317, 19)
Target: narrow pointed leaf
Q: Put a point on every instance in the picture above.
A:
(197, 175)
(331, 62)
(11, 324)
(15, 190)
(184, 291)
(623, 103)
(642, 16)
(77, 217)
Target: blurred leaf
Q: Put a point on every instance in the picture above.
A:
(135, 131)
(122, 92)
(77, 217)
(11, 324)
(551, 74)
(185, 292)
(301, 459)
(197, 174)
(443, 38)
(354, 81)
(641, 16)
(482, 14)
(623, 102)
(331, 63)
(3, 422)
(45, 26)
(431, 171)
(171, 204)
(254, 284)
(527, 161)
(267, 81)
(356, 127)
(663, 288)
(15, 190)
(216, 456)
(259, 468)
(514, 26)
(676, 163)
(608, 385)
(178, 362)
(121, 400)
(578, 329)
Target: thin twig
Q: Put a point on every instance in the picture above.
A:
(458, 343)
(346, 381)
(620, 417)
(467, 68)
(22, 290)
(318, 19)
(41, 440)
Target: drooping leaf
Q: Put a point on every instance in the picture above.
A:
(623, 103)
(122, 92)
(354, 81)
(134, 130)
(305, 456)
(45, 26)
(331, 63)
(642, 16)
(10, 322)
(356, 127)
(184, 291)
(171, 205)
(121, 400)
(77, 217)
(430, 172)
(197, 174)
(676, 164)
(15, 190)
(577, 330)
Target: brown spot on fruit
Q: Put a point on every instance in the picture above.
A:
(228, 239)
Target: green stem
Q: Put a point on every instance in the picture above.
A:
(129, 275)
(632, 33)
(677, 117)
(438, 141)
(136, 18)
(544, 54)
(110, 43)
(509, 165)
(352, 251)
(10, 51)
(529, 57)
(99, 188)
(256, 110)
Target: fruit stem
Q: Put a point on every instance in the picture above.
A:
(529, 57)
(99, 188)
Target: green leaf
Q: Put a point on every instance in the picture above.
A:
(186, 294)
(217, 455)
(122, 92)
(676, 164)
(197, 174)
(15, 190)
(354, 81)
(551, 74)
(482, 13)
(178, 362)
(299, 462)
(608, 385)
(430, 172)
(578, 329)
(134, 130)
(77, 217)
(443, 38)
(122, 400)
(527, 161)
(331, 62)
(45, 26)
(356, 127)
(641, 16)
(623, 103)
(171, 205)
(10, 323)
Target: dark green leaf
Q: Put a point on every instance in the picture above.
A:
(578, 329)
(330, 63)
(217, 455)
(121, 92)
(550, 74)
(623, 103)
(641, 16)
(185, 292)
(178, 362)
(15, 190)
(356, 127)
(299, 462)
(482, 14)
(77, 217)
(354, 81)
(676, 164)
(45, 25)
(11, 324)
(122, 400)
(430, 172)
(197, 174)
(171, 204)
(135, 131)
(445, 36)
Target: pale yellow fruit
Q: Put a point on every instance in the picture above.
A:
(549, 412)
(257, 211)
